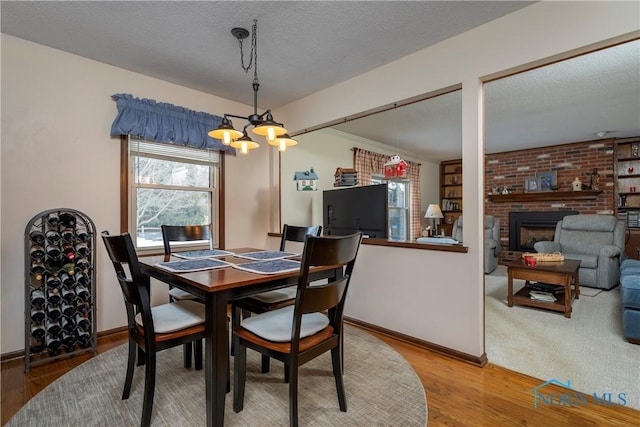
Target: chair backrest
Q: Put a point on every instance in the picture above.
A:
(185, 233)
(491, 228)
(293, 233)
(588, 233)
(133, 283)
(338, 251)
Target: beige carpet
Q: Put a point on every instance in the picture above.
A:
(382, 390)
(588, 349)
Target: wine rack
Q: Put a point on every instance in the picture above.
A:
(60, 286)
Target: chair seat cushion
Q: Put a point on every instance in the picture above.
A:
(278, 295)
(175, 316)
(276, 325)
(178, 294)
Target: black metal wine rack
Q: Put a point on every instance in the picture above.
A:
(60, 286)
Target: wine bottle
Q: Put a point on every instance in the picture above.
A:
(53, 296)
(68, 309)
(83, 337)
(53, 236)
(68, 251)
(67, 324)
(82, 292)
(37, 298)
(53, 312)
(37, 268)
(68, 235)
(37, 330)
(37, 237)
(36, 252)
(81, 321)
(69, 296)
(66, 279)
(53, 327)
(68, 340)
(82, 308)
(68, 219)
(53, 282)
(81, 234)
(68, 268)
(37, 315)
(82, 249)
(83, 265)
(53, 251)
(53, 342)
(53, 219)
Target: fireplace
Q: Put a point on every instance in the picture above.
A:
(527, 228)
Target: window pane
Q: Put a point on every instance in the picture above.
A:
(173, 207)
(397, 224)
(165, 172)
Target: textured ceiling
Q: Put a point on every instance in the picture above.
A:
(306, 46)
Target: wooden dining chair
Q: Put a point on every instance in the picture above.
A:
(298, 333)
(185, 233)
(151, 329)
(273, 300)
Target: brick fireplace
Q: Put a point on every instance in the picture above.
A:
(527, 228)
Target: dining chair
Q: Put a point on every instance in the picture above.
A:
(185, 233)
(151, 329)
(298, 333)
(272, 300)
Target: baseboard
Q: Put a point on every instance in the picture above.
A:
(19, 354)
(633, 341)
(454, 354)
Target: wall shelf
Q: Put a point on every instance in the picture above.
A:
(544, 195)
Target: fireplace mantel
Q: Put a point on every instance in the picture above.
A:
(545, 195)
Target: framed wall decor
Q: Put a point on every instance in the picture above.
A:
(531, 185)
(547, 180)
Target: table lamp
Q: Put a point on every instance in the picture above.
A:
(433, 212)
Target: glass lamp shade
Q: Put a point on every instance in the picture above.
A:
(225, 132)
(433, 211)
(269, 128)
(244, 143)
(283, 141)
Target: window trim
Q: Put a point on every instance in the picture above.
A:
(125, 200)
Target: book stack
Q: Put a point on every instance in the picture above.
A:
(545, 287)
(542, 296)
(345, 177)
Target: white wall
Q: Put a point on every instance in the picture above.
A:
(448, 287)
(325, 150)
(56, 152)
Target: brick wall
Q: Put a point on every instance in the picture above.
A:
(512, 168)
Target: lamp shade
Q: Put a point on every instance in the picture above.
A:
(269, 128)
(225, 132)
(283, 141)
(433, 211)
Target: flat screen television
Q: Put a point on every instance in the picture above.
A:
(353, 209)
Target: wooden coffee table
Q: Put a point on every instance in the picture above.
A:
(556, 273)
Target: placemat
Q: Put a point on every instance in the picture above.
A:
(266, 255)
(205, 253)
(193, 265)
(273, 266)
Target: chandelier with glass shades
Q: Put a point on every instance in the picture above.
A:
(263, 124)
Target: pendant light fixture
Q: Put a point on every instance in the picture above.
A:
(263, 124)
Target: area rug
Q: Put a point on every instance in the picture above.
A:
(588, 349)
(382, 389)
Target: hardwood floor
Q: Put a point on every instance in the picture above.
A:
(458, 394)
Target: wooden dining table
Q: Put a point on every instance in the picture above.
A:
(217, 288)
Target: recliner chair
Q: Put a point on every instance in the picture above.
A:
(492, 246)
(596, 240)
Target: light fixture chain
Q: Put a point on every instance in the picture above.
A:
(253, 55)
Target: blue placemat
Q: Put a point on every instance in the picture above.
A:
(266, 255)
(274, 266)
(193, 265)
(206, 253)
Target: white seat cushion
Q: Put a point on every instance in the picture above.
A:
(276, 325)
(178, 294)
(175, 316)
(278, 295)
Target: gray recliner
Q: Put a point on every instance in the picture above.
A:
(596, 240)
(492, 246)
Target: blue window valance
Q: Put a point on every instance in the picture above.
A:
(163, 122)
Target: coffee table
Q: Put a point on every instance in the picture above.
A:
(562, 273)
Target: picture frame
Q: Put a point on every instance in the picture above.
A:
(531, 185)
(547, 180)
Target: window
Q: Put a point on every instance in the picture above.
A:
(399, 206)
(172, 185)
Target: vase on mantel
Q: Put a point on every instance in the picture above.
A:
(576, 184)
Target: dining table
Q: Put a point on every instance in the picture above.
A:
(217, 287)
